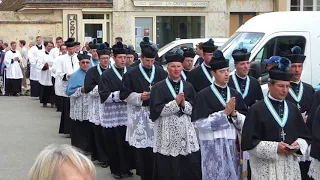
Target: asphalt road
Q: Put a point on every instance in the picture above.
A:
(25, 129)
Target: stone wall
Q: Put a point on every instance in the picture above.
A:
(15, 26)
(217, 15)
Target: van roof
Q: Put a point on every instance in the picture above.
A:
(283, 21)
(181, 41)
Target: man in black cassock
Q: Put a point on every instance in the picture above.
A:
(114, 115)
(80, 126)
(218, 116)
(130, 57)
(137, 85)
(247, 86)
(66, 66)
(274, 132)
(177, 155)
(314, 170)
(301, 94)
(187, 65)
(201, 77)
(98, 145)
(312, 111)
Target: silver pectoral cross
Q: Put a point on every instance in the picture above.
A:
(299, 107)
(283, 135)
(150, 86)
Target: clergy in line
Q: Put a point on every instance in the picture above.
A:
(218, 116)
(301, 94)
(311, 115)
(314, 170)
(55, 52)
(201, 77)
(274, 132)
(247, 86)
(136, 89)
(114, 115)
(130, 56)
(80, 126)
(272, 61)
(94, 58)
(34, 53)
(67, 65)
(45, 64)
(13, 74)
(187, 65)
(176, 148)
(92, 80)
(57, 81)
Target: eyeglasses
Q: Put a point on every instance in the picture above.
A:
(85, 62)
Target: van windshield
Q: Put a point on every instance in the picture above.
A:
(238, 40)
(164, 47)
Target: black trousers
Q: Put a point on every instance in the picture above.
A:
(144, 158)
(13, 86)
(80, 135)
(304, 169)
(98, 145)
(47, 94)
(177, 168)
(34, 88)
(65, 119)
(118, 150)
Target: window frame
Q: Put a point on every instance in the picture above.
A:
(263, 65)
(315, 5)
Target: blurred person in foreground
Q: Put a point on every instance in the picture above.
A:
(62, 162)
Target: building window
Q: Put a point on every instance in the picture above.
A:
(170, 28)
(143, 28)
(237, 19)
(295, 5)
(305, 5)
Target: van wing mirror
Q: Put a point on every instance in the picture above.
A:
(255, 69)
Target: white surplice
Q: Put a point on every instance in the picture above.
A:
(79, 104)
(34, 54)
(220, 159)
(65, 65)
(24, 55)
(95, 106)
(13, 69)
(267, 164)
(140, 132)
(55, 52)
(175, 135)
(45, 75)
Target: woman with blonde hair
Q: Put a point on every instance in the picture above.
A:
(62, 162)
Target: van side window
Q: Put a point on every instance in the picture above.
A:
(278, 46)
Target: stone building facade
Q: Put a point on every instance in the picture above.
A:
(161, 20)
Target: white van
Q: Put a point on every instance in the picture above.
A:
(188, 43)
(275, 33)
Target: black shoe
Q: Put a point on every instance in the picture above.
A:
(44, 105)
(128, 174)
(104, 165)
(17, 95)
(117, 176)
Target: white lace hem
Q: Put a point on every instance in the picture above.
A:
(314, 170)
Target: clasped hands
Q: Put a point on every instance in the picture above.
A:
(230, 109)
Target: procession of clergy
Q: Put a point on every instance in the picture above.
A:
(187, 123)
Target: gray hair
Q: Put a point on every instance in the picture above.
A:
(272, 81)
(50, 159)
